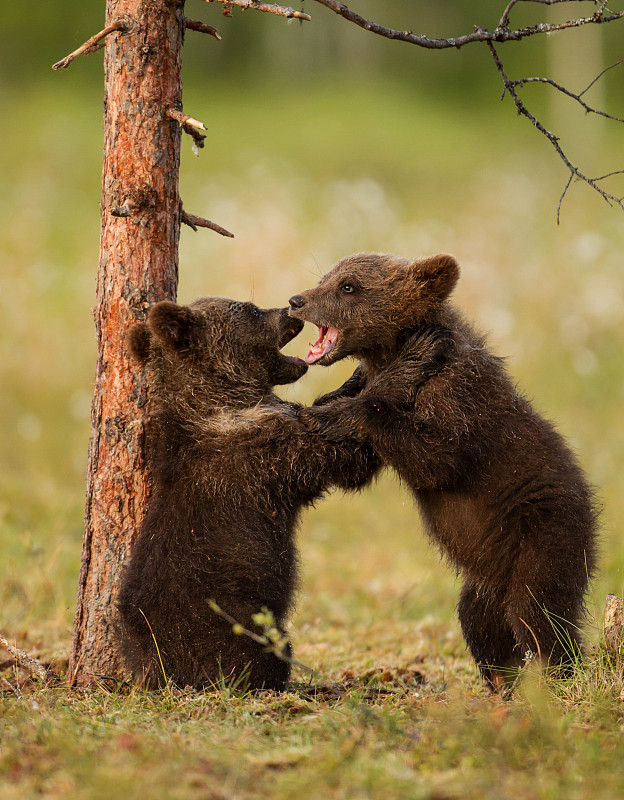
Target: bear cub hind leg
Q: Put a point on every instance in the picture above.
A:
(490, 638)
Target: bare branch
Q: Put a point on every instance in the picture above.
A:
(510, 86)
(199, 222)
(600, 74)
(610, 174)
(563, 194)
(196, 25)
(501, 34)
(7, 686)
(91, 44)
(190, 125)
(281, 11)
(30, 664)
(589, 109)
(504, 20)
(184, 119)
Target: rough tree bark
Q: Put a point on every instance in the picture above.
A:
(140, 213)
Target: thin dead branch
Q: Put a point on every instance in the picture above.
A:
(578, 97)
(271, 8)
(190, 125)
(92, 44)
(504, 20)
(599, 76)
(199, 222)
(503, 33)
(575, 172)
(8, 687)
(184, 119)
(480, 34)
(201, 27)
(30, 664)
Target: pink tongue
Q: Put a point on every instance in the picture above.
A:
(324, 345)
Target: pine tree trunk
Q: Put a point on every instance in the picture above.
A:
(138, 266)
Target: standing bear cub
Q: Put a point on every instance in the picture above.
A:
(497, 487)
(231, 468)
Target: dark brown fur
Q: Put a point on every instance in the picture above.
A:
(497, 487)
(231, 468)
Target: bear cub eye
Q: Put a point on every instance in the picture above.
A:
(348, 288)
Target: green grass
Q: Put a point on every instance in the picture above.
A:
(384, 738)
(303, 179)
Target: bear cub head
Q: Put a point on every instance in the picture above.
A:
(204, 350)
(366, 300)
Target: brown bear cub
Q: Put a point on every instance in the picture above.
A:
(231, 468)
(497, 487)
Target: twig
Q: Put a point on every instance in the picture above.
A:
(265, 642)
(91, 44)
(563, 194)
(30, 664)
(504, 34)
(556, 2)
(202, 27)
(504, 20)
(501, 34)
(609, 174)
(183, 118)
(578, 97)
(278, 652)
(8, 687)
(190, 125)
(598, 76)
(510, 86)
(281, 11)
(199, 222)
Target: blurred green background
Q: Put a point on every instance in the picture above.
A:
(322, 140)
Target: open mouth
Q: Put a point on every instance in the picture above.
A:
(325, 344)
(288, 336)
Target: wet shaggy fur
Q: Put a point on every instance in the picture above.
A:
(497, 487)
(231, 468)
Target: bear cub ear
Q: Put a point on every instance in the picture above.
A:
(437, 275)
(138, 341)
(176, 326)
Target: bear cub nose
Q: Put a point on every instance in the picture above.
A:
(297, 301)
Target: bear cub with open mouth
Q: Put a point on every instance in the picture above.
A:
(231, 467)
(497, 487)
